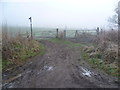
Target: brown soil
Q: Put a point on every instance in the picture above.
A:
(60, 67)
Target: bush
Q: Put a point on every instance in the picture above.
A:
(106, 61)
(111, 36)
(17, 49)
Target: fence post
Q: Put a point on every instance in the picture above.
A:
(97, 30)
(76, 34)
(31, 27)
(57, 33)
(64, 34)
(101, 31)
(27, 34)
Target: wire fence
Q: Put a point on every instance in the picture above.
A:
(55, 33)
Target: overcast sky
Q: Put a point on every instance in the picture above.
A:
(58, 13)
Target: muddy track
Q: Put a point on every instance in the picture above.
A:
(60, 67)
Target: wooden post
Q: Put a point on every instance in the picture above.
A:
(101, 31)
(57, 33)
(27, 34)
(76, 34)
(97, 30)
(97, 36)
(64, 34)
(31, 27)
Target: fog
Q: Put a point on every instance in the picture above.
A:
(58, 13)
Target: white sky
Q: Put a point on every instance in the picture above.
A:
(58, 13)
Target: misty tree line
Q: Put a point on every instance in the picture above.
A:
(115, 19)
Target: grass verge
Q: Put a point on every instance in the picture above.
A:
(69, 43)
(100, 64)
(16, 52)
(97, 61)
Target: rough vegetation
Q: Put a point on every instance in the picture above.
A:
(16, 50)
(104, 54)
(106, 62)
(60, 67)
(65, 59)
(101, 56)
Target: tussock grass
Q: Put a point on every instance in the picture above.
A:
(16, 50)
(111, 36)
(99, 60)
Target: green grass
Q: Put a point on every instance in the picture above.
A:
(97, 62)
(38, 31)
(21, 53)
(69, 43)
(5, 64)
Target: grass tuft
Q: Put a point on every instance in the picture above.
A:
(16, 50)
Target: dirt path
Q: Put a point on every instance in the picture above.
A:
(60, 67)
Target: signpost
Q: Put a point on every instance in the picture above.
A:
(31, 26)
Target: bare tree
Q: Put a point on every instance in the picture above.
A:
(119, 15)
(115, 19)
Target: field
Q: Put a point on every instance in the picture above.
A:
(45, 32)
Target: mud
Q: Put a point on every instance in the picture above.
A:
(60, 67)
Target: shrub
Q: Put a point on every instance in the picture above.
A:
(17, 49)
(111, 36)
(108, 45)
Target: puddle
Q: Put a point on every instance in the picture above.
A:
(38, 73)
(48, 68)
(4, 84)
(4, 75)
(86, 72)
(30, 63)
(48, 57)
(11, 85)
(28, 71)
(8, 85)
